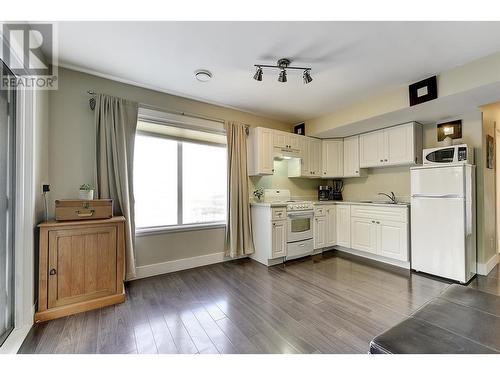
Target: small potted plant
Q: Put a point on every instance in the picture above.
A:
(258, 193)
(86, 192)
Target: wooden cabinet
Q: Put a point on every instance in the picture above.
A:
(343, 225)
(260, 152)
(351, 157)
(81, 266)
(398, 145)
(332, 160)
(285, 140)
(278, 235)
(314, 157)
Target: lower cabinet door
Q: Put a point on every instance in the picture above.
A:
(319, 232)
(364, 234)
(393, 239)
(331, 226)
(82, 265)
(278, 239)
(343, 225)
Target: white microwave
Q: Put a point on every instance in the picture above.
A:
(457, 154)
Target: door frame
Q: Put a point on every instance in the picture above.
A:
(24, 209)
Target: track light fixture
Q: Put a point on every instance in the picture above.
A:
(258, 74)
(283, 65)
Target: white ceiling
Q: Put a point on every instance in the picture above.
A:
(350, 61)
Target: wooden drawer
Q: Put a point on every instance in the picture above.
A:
(320, 211)
(68, 209)
(394, 213)
(279, 213)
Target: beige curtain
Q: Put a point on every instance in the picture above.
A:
(239, 226)
(115, 125)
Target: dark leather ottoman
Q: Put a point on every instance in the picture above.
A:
(460, 320)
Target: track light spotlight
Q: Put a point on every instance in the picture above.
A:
(258, 74)
(282, 76)
(307, 77)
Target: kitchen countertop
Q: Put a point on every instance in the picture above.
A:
(318, 203)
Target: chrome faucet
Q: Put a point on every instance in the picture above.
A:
(392, 197)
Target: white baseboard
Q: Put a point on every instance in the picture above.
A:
(179, 265)
(485, 268)
(378, 258)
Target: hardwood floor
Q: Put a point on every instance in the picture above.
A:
(324, 304)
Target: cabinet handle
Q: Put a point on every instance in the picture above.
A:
(378, 222)
(356, 172)
(274, 224)
(381, 160)
(385, 159)
(52, 272)
(373, 221)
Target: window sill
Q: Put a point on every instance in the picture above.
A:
(177, 228)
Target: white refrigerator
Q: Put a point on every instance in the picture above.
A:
(443, 223)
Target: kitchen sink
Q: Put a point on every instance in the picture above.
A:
(383, 202)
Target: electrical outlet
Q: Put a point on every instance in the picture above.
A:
(45, 188)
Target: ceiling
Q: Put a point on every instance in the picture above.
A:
(350, 61)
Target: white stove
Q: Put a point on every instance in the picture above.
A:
(299, 222)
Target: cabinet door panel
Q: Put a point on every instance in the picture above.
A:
(279, 139)
(82, 265)
(351, 157)
(331, 226)
(344, 225)
(393, 240)
(315, 158)
(364, 234)
(319, 232)
(371, 149)
(332, 160)
(279, 239)
(398, 144)
(266, 158)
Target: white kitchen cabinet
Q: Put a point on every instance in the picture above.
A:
(269, 229)
(260, 152)
(331, 225)
(332, 158)
(278, 235)
(364, 234)
(351, 157)
(285, 140)
(319, 232)
(309, 165)
(392, 239)
(343, 225)
(397, 145)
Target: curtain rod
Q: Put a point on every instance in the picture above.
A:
(143, 105)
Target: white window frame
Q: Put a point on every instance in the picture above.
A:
(188, 122)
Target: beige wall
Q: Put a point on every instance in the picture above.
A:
(71, 153)
(491, 117)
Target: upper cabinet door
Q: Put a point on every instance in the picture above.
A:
(332, 158)
(279, 139)
(399, 145)
(260, 152)
(294, 141)
(351, 157)
(371, 153)
(315, 157)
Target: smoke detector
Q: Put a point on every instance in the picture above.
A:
(202, 75)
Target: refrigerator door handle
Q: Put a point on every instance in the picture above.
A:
(436, 196)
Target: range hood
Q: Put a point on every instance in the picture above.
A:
(282, 153)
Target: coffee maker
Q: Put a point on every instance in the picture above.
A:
(337, 188)
(324, 193)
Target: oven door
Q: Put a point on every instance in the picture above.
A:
(445, 155)
(299, 226)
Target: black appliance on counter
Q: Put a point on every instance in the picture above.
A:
(337, 188)
(324, 193)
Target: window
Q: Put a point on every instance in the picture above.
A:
(179, 176)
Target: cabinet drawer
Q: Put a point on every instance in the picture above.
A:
(279, 213)
(319, 211)
(399, 214)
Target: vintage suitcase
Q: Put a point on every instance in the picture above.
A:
(77, 209)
